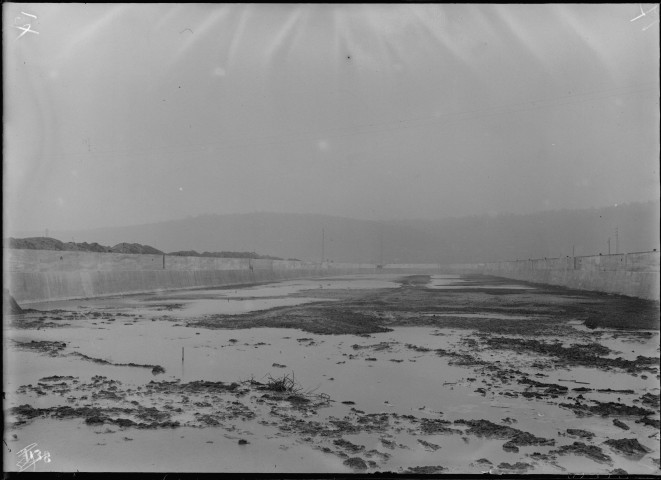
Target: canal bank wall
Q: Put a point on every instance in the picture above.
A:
(631, 274)
(33, 276)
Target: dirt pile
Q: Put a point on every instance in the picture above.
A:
(35, 243)
(254, 255)
(48, 243)
(135, 248)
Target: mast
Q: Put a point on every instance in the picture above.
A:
(381, 256)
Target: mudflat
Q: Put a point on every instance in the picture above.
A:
(401, 373)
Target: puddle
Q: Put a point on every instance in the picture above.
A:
(202, 307)
(283, 289)
(438, 281)
(480, 287)
(449, 282)
(228, 301)
(189, 449)
(497, 316)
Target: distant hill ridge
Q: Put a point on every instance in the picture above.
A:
(48, 243)
(485, 238)
(193, 253)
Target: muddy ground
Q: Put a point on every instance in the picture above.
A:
(513, 378)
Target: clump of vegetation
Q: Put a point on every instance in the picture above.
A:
(285, 383)
(288, 385)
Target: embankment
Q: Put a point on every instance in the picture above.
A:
(44, 275)
(631, 274)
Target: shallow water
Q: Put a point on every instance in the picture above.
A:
(359, 282)
(480, 287)
(202, 307)
(394, 372)
(228, 301)
(449, 282)
(323, 363)
(498, 316)
(179, 450)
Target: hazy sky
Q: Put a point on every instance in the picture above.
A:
(122, 114)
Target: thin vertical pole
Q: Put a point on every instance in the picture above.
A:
(617, 241)
(183, 368)
(381, 257)
(322, 245)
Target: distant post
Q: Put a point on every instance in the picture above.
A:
(381, 248)
(617, 241)
(322, 245)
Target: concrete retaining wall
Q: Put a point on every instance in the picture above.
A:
(631, 274)
(45, 275)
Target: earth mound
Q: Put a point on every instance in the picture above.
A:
(48, 243)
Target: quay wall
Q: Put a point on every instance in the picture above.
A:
(631, 274)
(33, 276)
(45, 275)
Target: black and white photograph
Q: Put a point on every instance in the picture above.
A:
(331, 239)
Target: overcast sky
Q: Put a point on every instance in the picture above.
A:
(123, 114)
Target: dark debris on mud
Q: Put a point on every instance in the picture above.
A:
(515, 438)
(606, 409)
(52, 349)
(155, 369)
(592, 452)
(516, 468)
(577, 432)
(627, 446)
(426, 470)
(313, 318)
(374, 311)
(591, 355)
